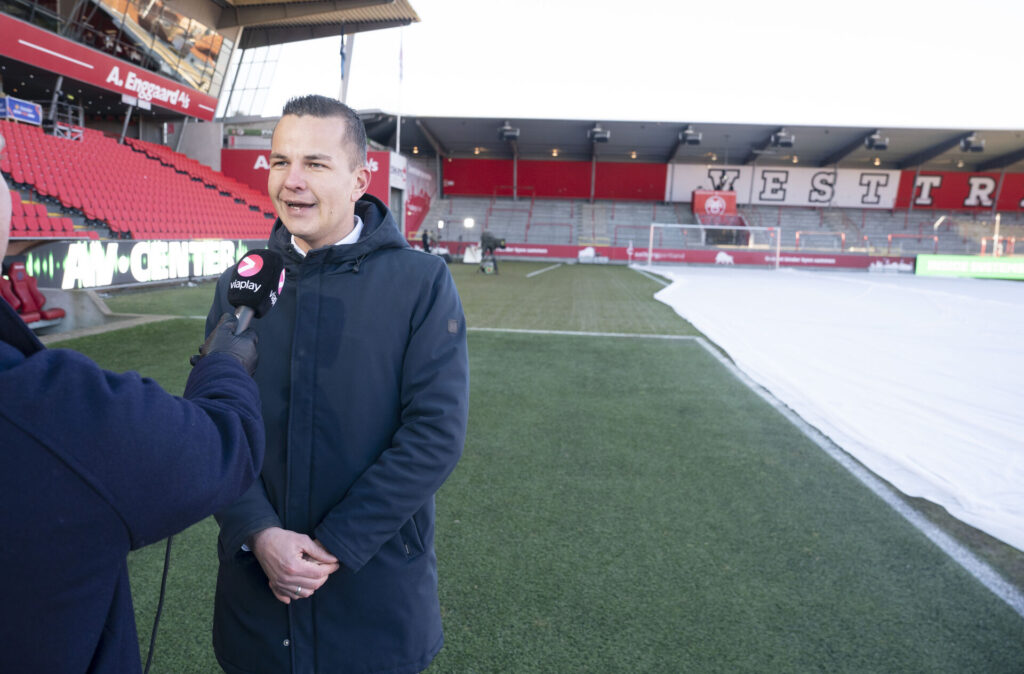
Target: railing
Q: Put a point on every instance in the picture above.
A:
(919, 237)
(518, 192)
(841, 235)
(731, 220)
(999, 248)
(548, 224)
(643, 228)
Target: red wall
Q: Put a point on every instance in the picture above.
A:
(624, 180)
(469, 177)
(953, 191)
(248, 166)
(555, 179)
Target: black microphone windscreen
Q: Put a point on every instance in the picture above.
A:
(257, 281)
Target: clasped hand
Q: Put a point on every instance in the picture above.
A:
(295, 564)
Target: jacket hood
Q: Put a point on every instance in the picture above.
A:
(380, 231)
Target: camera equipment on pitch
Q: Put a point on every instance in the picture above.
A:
(488, 244)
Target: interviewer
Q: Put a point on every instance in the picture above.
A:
(94, 464)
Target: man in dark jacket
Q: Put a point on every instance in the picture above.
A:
(94, 464)
(327, 563)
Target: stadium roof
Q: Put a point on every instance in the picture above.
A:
(263, 22)
(270, 22)
(734, 144)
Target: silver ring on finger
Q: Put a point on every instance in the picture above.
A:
(298, 589)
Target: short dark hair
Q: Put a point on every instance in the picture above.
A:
(314, 105)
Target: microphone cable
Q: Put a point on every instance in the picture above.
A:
(159, 605)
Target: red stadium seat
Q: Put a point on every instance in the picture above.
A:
(7, 293)
(19, 226)
(27, 291)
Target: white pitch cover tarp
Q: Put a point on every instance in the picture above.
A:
(919, 378)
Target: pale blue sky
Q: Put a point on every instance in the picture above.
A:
(896, 63)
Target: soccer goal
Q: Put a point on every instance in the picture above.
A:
(714, 244)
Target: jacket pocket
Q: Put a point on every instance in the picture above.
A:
(409, 536)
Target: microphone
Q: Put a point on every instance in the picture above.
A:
(255, 285)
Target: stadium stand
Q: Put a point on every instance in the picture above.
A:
(876, 232)
(617, 223)
(185, 164)
(554, 221)
(131, 192)
(31, 219)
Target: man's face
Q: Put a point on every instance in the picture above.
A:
(312, 181)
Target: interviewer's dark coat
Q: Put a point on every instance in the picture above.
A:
(364, 381)
(94, 464)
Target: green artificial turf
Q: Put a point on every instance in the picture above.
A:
(183, 300)
(157, 350)
(627, 505)
(624, 505)
(570, 297)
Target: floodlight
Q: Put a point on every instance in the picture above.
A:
(783, 139)
(972, 144)
(876, 141)
(689, 136)
(508, 132)
(599, 135)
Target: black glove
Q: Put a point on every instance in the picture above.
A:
(224, 340)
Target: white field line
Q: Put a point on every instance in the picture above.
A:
(541, 271)
(973, 564)
(654, 278)
(573, 333)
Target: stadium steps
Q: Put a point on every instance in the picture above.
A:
(593, 226)
(184, 164)
(31, 219)
(509, 218)
(554, 221)
(453, 212)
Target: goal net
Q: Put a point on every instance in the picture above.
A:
(713, 244)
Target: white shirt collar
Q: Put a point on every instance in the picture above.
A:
(352, 237)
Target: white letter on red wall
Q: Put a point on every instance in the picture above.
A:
(925, 184)
(982, 188)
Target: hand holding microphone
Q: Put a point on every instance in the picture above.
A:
(254, 289)
(226, 338)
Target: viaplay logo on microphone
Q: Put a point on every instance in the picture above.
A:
(250, 265)
(251, 286)
(254, 281)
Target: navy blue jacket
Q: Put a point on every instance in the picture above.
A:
(364, 379)
(94, 464)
